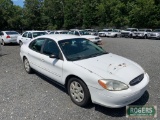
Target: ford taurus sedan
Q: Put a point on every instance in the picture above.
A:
(89, 73)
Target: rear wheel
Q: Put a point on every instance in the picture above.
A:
(3, 43)
(27, 66)
(78, 92)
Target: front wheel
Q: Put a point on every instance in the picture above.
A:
(145, 37)
(78, 92)
(20, 43)
(27, 66)
(130, 36)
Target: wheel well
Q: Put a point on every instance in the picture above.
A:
(71, 76)
(24, 57)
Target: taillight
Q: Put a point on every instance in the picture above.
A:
(8, 36)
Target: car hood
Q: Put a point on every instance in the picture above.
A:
(111, 66)
(140, 32)
(123, 31)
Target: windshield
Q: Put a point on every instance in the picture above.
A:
(35, 34)
(109, 30)
(156, 30)
(63, 32)
(115, 30)
(80, 48)
(142, 30)
(84, 32)
(12, 33)
(51, 33)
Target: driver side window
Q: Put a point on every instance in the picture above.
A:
(50, 47)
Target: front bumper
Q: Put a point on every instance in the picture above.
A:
(117, 99)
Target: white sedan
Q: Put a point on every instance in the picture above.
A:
(89, 73)
(8, 37)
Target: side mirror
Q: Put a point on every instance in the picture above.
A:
(54, 56)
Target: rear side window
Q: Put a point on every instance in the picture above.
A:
(12, 33)
(36, 45)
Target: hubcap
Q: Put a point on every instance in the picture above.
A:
(26, 65)
(76, 91)
(20, 43)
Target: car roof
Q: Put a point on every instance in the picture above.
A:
(9, 31)
(58, 37)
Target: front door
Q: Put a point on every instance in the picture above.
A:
(52, 66)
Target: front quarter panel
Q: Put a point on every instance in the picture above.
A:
(90, 78)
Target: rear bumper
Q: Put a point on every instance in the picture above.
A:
(10, 40)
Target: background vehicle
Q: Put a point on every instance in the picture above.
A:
(142, 33)
(104, 32)
(8, 37)
(88, 72)
(28, 35)
(92, 32)
(114, 33)
(86, 34)
(59, 32)
(128, 32)
(155, 34)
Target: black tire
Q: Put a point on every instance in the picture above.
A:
(27, 67)
(130, 36)
(145, 37)
(20, 43)
(82, 96)
(115, 35)
(3, 43)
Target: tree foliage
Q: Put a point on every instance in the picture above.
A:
(66, 14)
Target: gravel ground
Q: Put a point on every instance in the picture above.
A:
(33, 97)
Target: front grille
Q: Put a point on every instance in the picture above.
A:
(136, 80)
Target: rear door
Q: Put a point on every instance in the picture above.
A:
(34, 54)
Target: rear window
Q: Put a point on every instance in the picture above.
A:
(35, 34)
(12, 33)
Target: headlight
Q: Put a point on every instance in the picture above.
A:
(113, 85)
